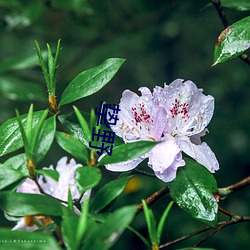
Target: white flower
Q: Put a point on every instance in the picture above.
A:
(58, 189)
(177, 115)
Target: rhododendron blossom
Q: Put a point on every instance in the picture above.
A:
(177, 116)
(58, 189)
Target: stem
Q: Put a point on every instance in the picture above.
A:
(204, 229)
(224, 192)
(226, 23)
(224, 211)
(144, 173)
(235, 220)
(42, 192)
(152, 198)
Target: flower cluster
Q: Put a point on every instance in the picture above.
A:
(176, 115)
(58, 189)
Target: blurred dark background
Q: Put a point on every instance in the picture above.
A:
(161, 41)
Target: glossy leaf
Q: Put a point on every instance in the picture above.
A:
(193, 191)
(20, 204)
(241, 5)
(105, 235)
(87, 177)
(19, 90)
(46, 138)
(108, 193)
(127, 152)
(8, 176)
(73, 146)
(16, 240)
(18, 162)
(90, 81)
(53, 174)
(233, 41)
(83, 123)
(72, 126)
(69, 230)
(10, 136)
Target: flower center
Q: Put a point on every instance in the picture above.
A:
(142, 122)
(141, 115)
(180, 110)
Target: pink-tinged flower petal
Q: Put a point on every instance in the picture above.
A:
(201, 153)
(59, 189)
(29, 187)
(189, 110)
(125, 165)
(165, 158)
(139, 117)
(196, 139)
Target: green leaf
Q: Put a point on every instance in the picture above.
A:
(8, 176)
(37, 132)
(10, 136)
(193, 191)
(72, 126)
(74, 228)
(18, 162)
(82, 223)
(16, 240)
(105, 235)
(69, 230)
(43, 65)
(20, 204)
(108, 193)
(53, 174)
(19, 90)
(83, 123)
(46, 138)
(143, 239)
(127, 152)
(73, 146)
(87, 177)
(151, 223)
(241, 5)
(90, 81)
(233, 41)
(162, 221)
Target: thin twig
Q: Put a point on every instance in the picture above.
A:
(42, 192)
(235, 220)
(222, 15)
(144, 173)
(226, 23)
(224, 211)
(223, 192)
(152, 198)
(204, 229)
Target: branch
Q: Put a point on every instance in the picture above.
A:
(144, 173)
(223, 192)
(226, 23)
(204, 229)
(235, 220)
(152, 198)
